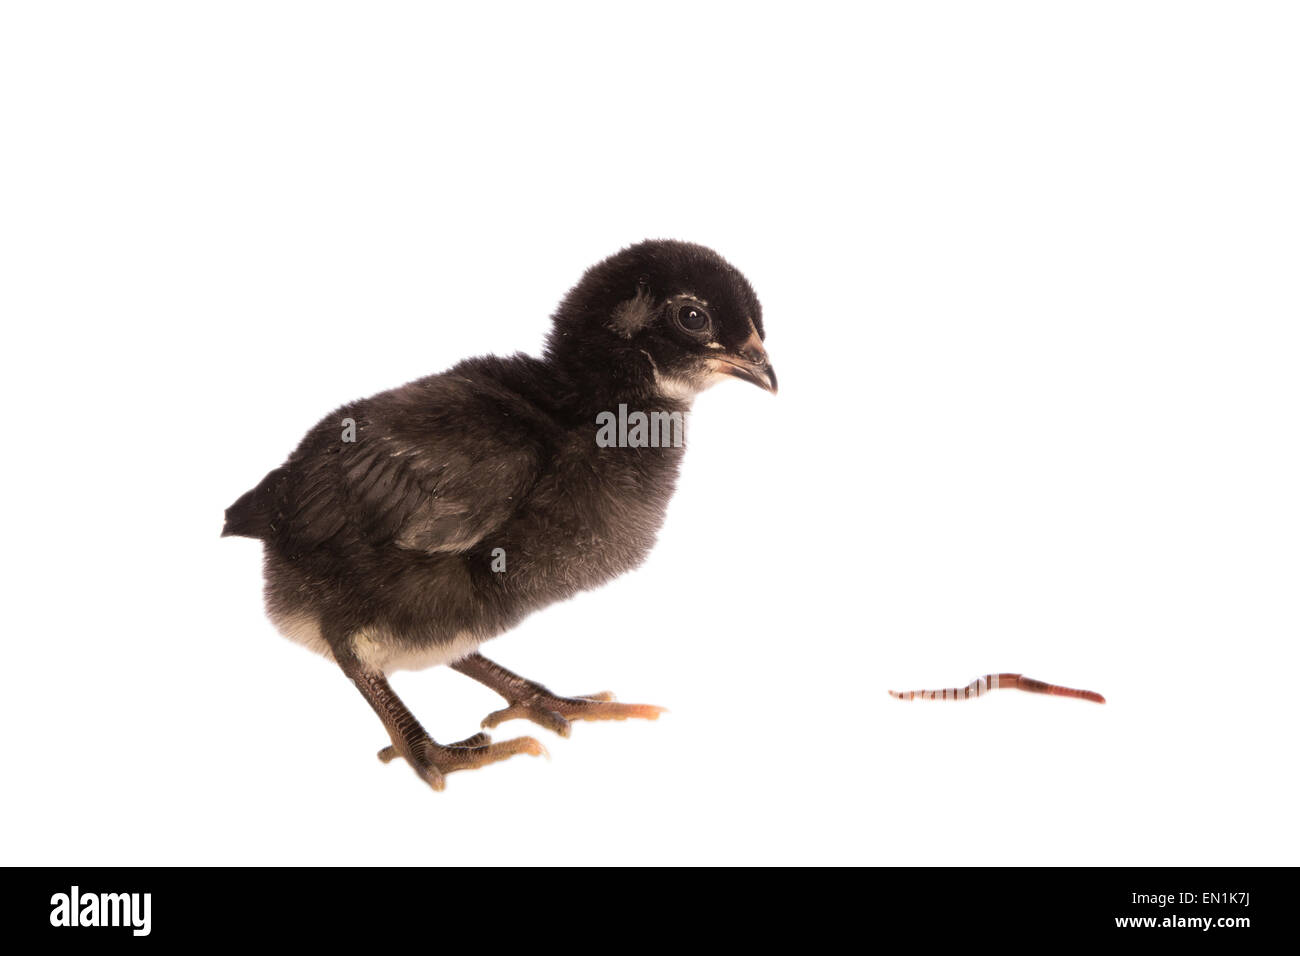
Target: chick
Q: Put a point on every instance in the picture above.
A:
(410, 527)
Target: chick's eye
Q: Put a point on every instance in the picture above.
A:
(692, 318)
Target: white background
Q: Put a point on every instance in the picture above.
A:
(1029, 276)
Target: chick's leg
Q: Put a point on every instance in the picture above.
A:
(430, 760)
(534, 702)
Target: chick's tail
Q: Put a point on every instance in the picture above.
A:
(250, 516)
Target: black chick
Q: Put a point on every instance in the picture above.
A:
(410, 527)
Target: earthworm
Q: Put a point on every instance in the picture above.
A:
(988, 682)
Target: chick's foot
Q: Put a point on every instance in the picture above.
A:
(432, 761)
(555, 713)
(532, 701)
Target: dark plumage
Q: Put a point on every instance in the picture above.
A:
(462, 502)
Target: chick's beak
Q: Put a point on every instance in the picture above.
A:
(749, 362)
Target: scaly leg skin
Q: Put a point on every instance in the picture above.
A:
(988, 682)
(534, 702)
(391, 753)
(430, 760)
